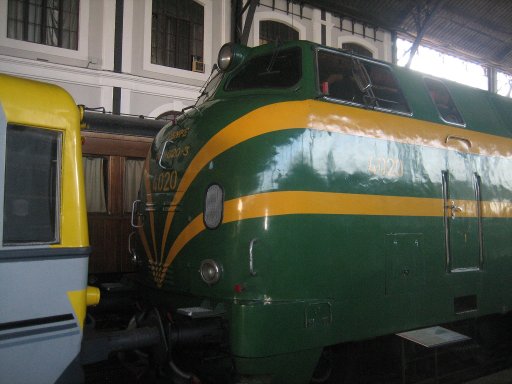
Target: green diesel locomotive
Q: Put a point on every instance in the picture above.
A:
(313, 197)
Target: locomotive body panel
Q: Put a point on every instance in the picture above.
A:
(339, 222)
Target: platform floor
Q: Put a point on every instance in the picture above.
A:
(503, 377)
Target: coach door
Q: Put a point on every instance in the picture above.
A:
(462, 215)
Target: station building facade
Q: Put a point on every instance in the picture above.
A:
(151, 57)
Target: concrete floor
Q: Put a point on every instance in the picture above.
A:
(503, 377)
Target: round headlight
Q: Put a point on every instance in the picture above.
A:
(225, 57)
(210, 271)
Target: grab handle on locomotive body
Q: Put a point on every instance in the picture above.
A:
(137, 217)
(251, 257)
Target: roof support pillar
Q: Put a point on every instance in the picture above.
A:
(492, 80)
(241, 34)
(422, 28)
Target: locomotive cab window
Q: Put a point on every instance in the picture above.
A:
(443, 101)
(32, 172)
(353, 80)
(279, 69)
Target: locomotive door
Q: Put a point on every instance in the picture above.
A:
(462, 215)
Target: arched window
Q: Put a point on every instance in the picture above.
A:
(274, 31)
(169, 116)
(357, 48)
(177, 34)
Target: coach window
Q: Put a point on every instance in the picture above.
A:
(95, 176)
(177, 34)
(48, 22)
(443, 101)
(356, 81)
(31, 195)
(133, 169)
(276, 32)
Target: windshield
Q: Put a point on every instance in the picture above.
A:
(279, 69)
(210, 87)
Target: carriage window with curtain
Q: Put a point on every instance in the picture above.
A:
(31, 194)
(132, 178)
(94, 175)
(177, 34)
(48, 22)
(276, 32)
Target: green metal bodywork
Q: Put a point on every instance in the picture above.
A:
(323, 279)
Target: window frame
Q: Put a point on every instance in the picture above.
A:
(360, 49)
(435, 104)
(147, 65)
(279, 17)
(363, 59)
(278, 24)
(82, 53)
(58, 187)
(366, 43)
(167, 35)
(40, 25)
(106, 182)
(128, 204)
(169, 113)
(236, 72)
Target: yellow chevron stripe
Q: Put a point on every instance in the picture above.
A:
(342, 119)
(270, 118)
(77, 300)
(325, 203)
(149, 198)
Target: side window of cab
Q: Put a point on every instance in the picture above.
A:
(355, 80)
(443, 101)
(32, 185)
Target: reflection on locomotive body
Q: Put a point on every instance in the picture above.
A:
(324, 198)
(311, 198)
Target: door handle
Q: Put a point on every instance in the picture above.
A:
(453, 209)
(251, 257)
(459, 138)
(137, 219)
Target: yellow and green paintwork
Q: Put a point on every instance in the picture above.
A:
(48, 106)
(46, 284)
(345, 208)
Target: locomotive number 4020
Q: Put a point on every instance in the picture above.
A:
(385, 166)
(165, 181)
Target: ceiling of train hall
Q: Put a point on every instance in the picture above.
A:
(477, 30)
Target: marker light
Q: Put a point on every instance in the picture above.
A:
(210, 271)
(213, 206)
